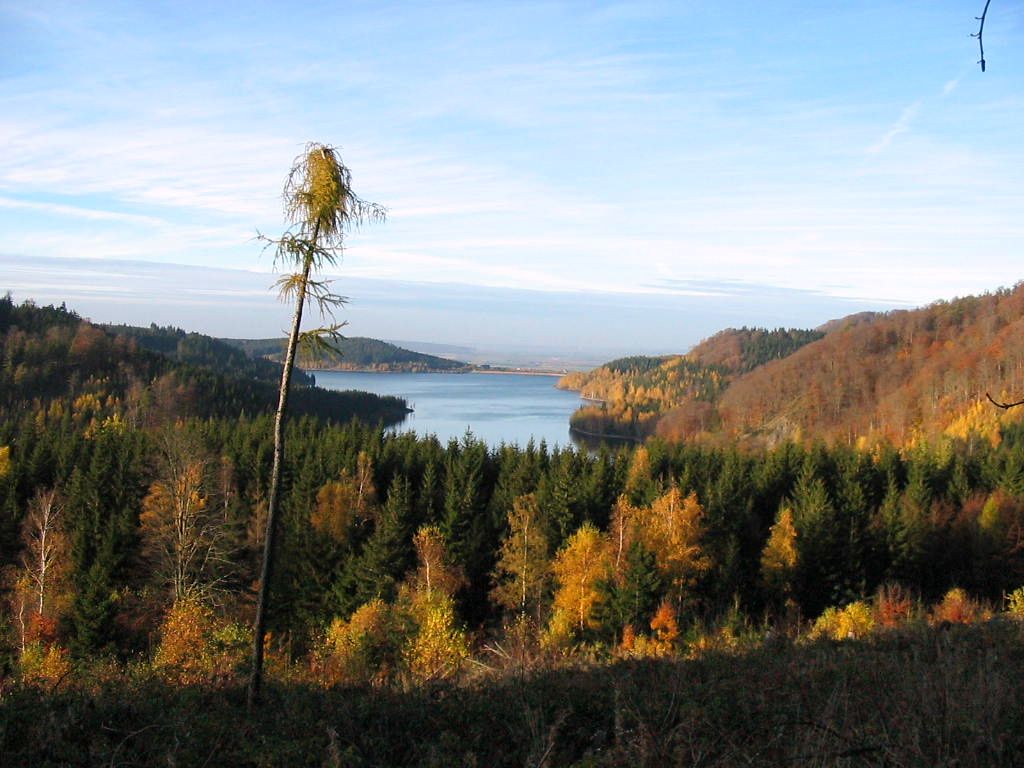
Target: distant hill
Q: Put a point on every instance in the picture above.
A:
(201, 350)
(744, 349)
(898, 376)
(430, 348)
(354, 353)
(634, 392)
(59, 362)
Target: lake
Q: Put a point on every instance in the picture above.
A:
(506, 407)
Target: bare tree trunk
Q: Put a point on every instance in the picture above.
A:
(260, 627)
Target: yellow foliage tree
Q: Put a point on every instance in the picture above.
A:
(523, 568)
(779, 556)
(434, 573)
(182, 532)
(852, 622)
(674, 531)
(438, 647)
(45, 557)
(363, 649)
(195, 647)
(639, 476)
(623, 528)
(342, 502)
(43, 665)
(585, 560)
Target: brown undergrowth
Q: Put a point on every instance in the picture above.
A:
(948, 695)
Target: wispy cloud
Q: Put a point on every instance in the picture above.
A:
(901, 126)
(91, 214)
(547, 146)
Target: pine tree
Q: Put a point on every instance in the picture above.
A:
(388, 554)
(632, 597)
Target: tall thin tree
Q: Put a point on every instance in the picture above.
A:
(322, 208)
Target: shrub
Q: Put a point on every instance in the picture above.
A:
(44, 665)
(439, 646)
(196, 648)
(957, 607)
(853, 621)
(1015, 603)
(361, 650)
(893, 606)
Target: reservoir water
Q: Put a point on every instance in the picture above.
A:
(496, 408)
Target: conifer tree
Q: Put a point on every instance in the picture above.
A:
(779, 557)
(632, 597)
(388, 553)
(323, 209)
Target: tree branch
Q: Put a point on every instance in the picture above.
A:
(1004, 406)
(981, 48)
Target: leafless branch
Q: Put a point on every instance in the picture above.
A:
(981, 48)
(1004, 406)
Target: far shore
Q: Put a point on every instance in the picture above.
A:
(460, 371)
(518, 372)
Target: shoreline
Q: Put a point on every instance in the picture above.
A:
(503, 371)
(460, 372)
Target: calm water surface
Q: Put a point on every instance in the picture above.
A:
(497, 408)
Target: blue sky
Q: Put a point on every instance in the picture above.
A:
(598, 176)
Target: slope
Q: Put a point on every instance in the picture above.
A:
(897, 376)
(55, 359)
(353, 353)
(631, 394)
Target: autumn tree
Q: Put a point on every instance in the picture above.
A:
(434, 571)
(674, 531)
(437, 645)
(523, 563)
(779, 557)
(342, 502)
(579, 567)
(44, 558)
(625, 521)
(183, 527)
(323, 209)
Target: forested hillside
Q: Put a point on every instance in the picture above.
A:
(633, 393)
(900, 376)
(352, 354)
(200, 350)
(133, 499)
(52, 359)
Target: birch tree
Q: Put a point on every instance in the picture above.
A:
(46, 547)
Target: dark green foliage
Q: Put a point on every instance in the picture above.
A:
(635, 364)
(352, 352)
(51, 353)
(633, 598)
(202, 351)
(388, 553)
(930, 519)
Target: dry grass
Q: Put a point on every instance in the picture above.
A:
(910, 697)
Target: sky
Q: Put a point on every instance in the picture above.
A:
(579, 178)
